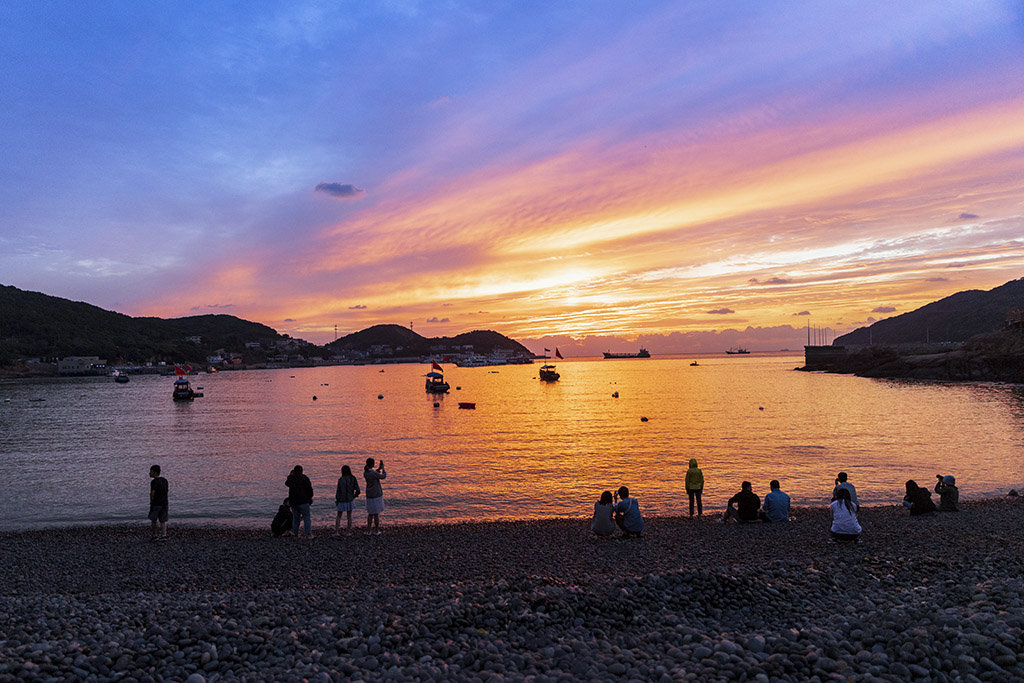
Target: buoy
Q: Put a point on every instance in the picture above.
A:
(436, 404)
(761, 408)
(380, 395)
(458, 388)
(615, 395)
(314, 398)
(643, 419)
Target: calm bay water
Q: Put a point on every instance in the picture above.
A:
(529, 450)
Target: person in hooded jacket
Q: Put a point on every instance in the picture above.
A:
(695, 486)
(949, 494)
(918, 499)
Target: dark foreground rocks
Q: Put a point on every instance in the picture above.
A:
(935, 598)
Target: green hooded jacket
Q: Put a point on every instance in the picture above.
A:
(694, 477)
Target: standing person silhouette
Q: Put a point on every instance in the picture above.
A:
(374, 495)
(348, 489)
(300, 497)
(695, 486)
(158, 504)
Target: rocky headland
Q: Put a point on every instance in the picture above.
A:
(996, 357)
(930, 598)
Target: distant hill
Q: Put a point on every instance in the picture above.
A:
(35, 325)
(956, 318)
(38, 325)
(406, 342)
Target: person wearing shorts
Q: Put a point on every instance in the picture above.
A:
(157, 504)
(348, 489)
(374, 495)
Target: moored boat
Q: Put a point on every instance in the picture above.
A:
(737, 351)
(183, 390)
(548, 373)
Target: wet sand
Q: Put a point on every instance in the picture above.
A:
(937, 597)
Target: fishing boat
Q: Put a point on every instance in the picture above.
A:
(548, 374)
(183, 390)
(436, 383)
(642, 353)
(120, 377)
(737, 351)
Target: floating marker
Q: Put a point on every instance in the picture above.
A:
(380, 395)
(643, 419)
(761, 408)
(458, 388)
(615, 395)
(436, 404)
(314, 398)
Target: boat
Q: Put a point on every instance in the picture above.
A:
(183, 390)
(694, 363)
(548, 374)
(737, 351)
(120, 377)
(467, 405)
(436, 383)
(642, 353)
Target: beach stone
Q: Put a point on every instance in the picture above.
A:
(756, 643)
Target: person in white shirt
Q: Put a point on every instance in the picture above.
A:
(845, 526)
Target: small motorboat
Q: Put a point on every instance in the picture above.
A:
(436, 383)
(183, 390)
(120, 377)
(467, 405)
(547, 373)
(694, 364)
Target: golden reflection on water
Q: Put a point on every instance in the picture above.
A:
(529, 449)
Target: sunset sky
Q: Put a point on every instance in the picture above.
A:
(593, 174)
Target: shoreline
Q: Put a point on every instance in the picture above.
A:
(936, 596)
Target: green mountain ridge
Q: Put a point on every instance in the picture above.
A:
(36, 325)
(956, 318)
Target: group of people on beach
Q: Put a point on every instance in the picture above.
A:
(613, 510)
(623, 511)
(295, 510)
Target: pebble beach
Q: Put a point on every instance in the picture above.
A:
(931, 598)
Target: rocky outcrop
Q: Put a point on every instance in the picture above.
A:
(997, 357)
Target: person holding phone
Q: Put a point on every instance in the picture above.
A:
(842, 483)
(374, 495)
(627, 514)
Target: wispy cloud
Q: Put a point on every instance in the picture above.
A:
(721, 311)
(884, 309)
(339, 190)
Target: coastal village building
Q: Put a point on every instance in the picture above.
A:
(81, 365)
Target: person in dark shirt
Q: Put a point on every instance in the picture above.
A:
(744, 506)
(300, 496)
(282, 523)
(918, 499)
(157, 504)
